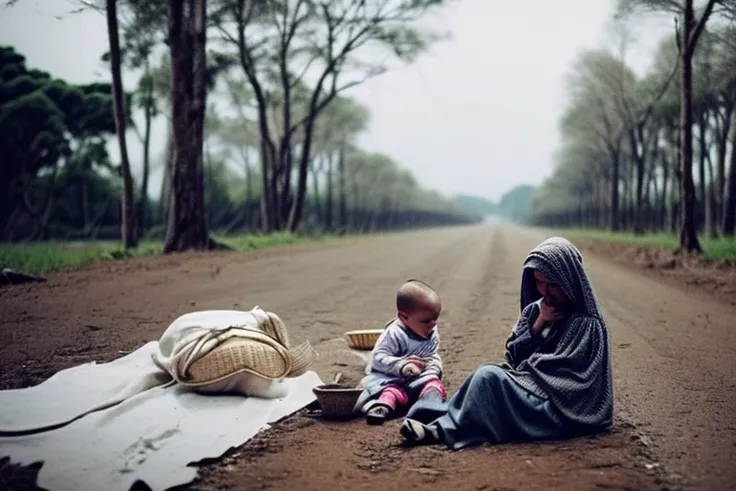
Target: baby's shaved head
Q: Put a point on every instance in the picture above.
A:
(414, 294)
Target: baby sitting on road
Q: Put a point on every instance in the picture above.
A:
(406, 363)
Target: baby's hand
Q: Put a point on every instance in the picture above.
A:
(411, 370)
(418, 361)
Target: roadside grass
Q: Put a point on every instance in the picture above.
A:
(42, 257)
(714, 249)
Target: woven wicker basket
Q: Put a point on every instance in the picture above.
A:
(337, 401)
(260, 355)
(363, 339)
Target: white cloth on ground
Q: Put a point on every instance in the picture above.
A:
(137, 423)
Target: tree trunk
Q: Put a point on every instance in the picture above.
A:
(248, 215)
(277, 198)
(650, 186)
(358, 204)
(284, 185)
(128, 228)
(637, 154)
(614, 219)
(286, 156)
(330, 205)
(297, 206)
(343, 189)
(143, 205)
(187, 225)
(723, 125)
(269, 213)
(652, 192)
(703, 184)
(631, 195)
(624, 196)
(664, 196)
(165, 199)
(603, 204)
(315, 106)
(712, 219)
(688, 236)
(729, 209)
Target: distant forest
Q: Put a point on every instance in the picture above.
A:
(515, 205)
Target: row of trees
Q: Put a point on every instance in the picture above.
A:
(654, 152)
(58, 180)
(261, 136)
(43, 122)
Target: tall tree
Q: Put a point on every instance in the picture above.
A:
(285, 47)
(688, 33)
(55, 177)
(599, 84)
(187, 223)
(128, 228)
(336, 130)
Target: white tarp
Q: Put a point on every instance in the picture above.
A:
(151, 436)
(74, 391)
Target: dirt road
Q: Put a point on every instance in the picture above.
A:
(673, 349)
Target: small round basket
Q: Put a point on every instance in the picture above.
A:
(337, 401)
(364, 339)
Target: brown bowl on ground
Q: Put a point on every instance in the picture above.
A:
(337, 401)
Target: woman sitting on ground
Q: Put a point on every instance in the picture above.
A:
(556, 381)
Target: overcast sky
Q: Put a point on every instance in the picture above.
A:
(478, 114)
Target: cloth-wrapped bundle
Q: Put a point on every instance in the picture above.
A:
(215, 351)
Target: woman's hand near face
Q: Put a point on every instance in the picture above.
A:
(547, 315)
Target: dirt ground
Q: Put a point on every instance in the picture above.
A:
(673, 342)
